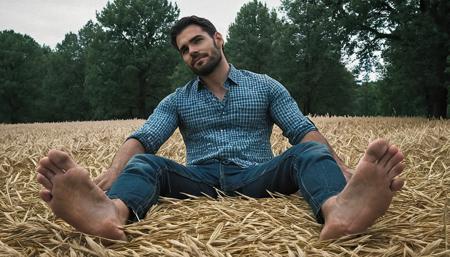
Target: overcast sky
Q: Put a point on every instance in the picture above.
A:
(47, 21)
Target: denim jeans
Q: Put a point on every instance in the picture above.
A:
(307, 167)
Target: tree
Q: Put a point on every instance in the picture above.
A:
(367, 99)
(181, 75)
(251, 38)
(131, 59)
(414, 38)
(21, 72)
(63, 86)
(309, 54)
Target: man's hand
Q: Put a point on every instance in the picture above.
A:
(130, 148)
(106, 179)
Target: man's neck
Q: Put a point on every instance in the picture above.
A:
(217, 78)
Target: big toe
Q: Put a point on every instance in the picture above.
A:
(61, 159)
(376, 150)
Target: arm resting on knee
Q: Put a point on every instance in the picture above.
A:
(130, 148)
(316, 136)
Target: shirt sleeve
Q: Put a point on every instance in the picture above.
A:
(159, 126)
(286, 113)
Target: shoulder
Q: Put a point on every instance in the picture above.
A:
(261, 81)
(181, 92)
(186, 88)
(250, 76)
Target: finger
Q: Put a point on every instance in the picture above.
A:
(104, 185)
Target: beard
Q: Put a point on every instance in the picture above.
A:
(211, 64)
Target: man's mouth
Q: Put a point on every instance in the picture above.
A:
(198, 59)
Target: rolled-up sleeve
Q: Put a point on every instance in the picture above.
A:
(159, 126)
(286, 113)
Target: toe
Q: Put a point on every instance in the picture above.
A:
(61, 159)
(376, 150)
(44, 181)
(48, 174)
(396, 159)
(397, 184)
(45, 163)
(45, 195)
(396, 170)
(391, 152)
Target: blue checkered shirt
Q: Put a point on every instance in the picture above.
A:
(236, 129)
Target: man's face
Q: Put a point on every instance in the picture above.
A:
(199, 50)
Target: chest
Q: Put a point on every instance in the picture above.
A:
(237, 107)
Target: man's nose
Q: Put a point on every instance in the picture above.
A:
(193, 51)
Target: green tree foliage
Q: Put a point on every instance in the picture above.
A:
(131, 59)
(21, 69)
(251, 37)
(123, 65)
(181, 75)
(414, 37)
(367, 98)
(62, 95)
(308, 59)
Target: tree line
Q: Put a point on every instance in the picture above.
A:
(122, 65)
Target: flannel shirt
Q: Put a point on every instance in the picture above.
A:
(236, 129)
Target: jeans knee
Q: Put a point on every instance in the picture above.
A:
(149, 162)
(310, 150)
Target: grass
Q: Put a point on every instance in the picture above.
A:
(417, 224)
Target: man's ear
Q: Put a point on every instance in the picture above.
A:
(218, 38)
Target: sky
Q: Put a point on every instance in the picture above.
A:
(47, 21)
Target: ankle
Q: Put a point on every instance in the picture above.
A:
(122, 211)
(327, 207)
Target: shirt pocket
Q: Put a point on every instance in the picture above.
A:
(250, 110)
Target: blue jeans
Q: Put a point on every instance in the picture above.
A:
(307, 167)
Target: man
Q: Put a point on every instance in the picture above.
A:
(226, 117)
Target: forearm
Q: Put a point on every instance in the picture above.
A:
(318, 137)
(130, 148)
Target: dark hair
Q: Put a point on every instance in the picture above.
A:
(182, 23)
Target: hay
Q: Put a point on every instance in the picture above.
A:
(417, 224)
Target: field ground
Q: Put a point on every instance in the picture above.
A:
(417, 224)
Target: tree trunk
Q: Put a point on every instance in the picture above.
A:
(438, 94)
(141, 96)
(437, 102)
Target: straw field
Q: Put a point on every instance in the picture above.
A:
(417, 223)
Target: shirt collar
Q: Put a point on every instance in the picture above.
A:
(233, 75)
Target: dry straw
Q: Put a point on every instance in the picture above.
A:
(415, 225)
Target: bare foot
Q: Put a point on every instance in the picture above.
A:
(367, 195)
(73, 197)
